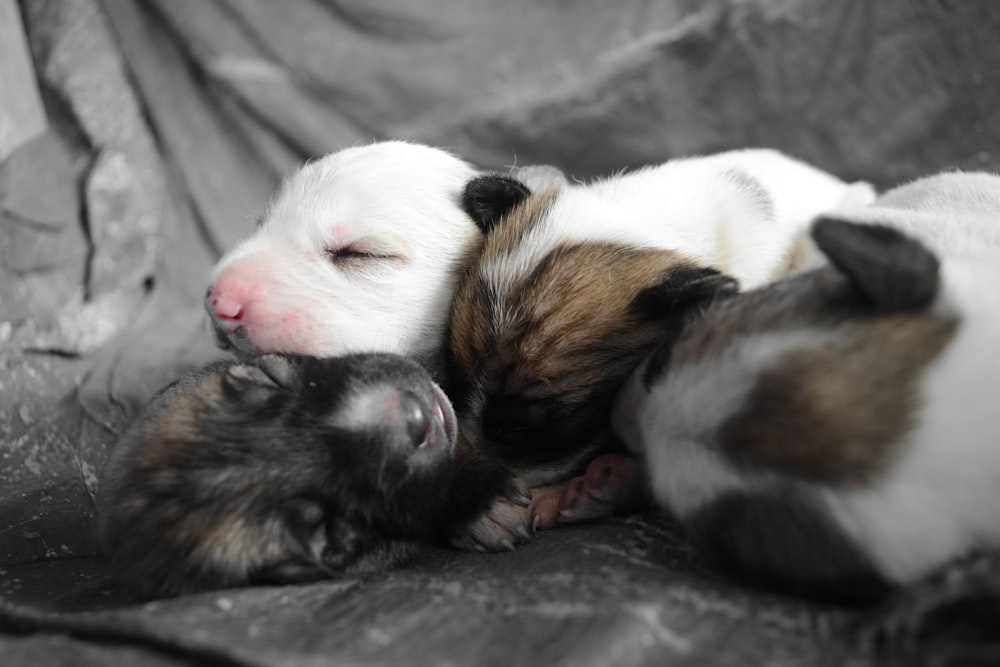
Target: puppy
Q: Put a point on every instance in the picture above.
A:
(292, 468)
(576, 284)
(836, 433)
(358, 251)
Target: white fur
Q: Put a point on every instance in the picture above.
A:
(739, 211)
(953, 213)
(942, 498)
(397, 200)
(671, 424)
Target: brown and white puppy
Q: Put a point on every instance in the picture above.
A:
(291, 468)
(836, 433)
(576, 284)
(358, 251)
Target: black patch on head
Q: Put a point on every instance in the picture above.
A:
(683, 293)
(657, 363)
(682, 289)
(782, 540)
(488, 198)
(893, 272)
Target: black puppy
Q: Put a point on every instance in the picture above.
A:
(292, 468)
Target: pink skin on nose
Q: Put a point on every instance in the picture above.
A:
(227, 298)
(226, 307)
(255, 317)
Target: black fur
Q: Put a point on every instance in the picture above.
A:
(782, 540)
(488, 198)
(681, 289)
(682, 294)
(536, 431)
(893, 271)
(265, 445)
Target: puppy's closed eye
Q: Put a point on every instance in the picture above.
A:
(349, 254)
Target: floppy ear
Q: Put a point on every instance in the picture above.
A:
(488, 198)
(893, 271)
(683, 288)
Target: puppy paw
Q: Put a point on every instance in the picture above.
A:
(611, 484)
(502, 526)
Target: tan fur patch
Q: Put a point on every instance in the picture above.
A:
(573, 330)
(836, 414)
(179, 425)
(803, 254)
(239, 546)
(470, 325)
(510, 232)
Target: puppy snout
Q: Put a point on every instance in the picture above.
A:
(224, 305)
(514, 422)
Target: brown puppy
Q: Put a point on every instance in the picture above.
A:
(292, 468)
(576, 284)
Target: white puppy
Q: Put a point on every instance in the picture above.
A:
(577, 282)
(836, 432)
(359, 250)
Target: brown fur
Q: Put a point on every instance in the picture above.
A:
(178, 426)
(540, 355)
(574, 329)
(845, 406)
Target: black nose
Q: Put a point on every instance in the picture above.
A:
(415, 418)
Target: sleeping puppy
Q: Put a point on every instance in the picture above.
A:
(294, 468)
(835, 433)
(577, 283)
(359, 250)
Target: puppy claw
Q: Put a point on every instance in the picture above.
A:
(522, 532)
(501, 528)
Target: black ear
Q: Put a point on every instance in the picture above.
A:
(683, 288)
(487, 199)
(890, 269)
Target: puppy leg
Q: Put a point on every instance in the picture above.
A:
(488, 505)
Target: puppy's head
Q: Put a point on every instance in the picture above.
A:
(542, 336)
(288, 468)
(359, 250)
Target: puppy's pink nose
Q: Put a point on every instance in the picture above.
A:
(225, 306)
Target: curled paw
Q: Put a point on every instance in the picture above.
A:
(505, 524)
